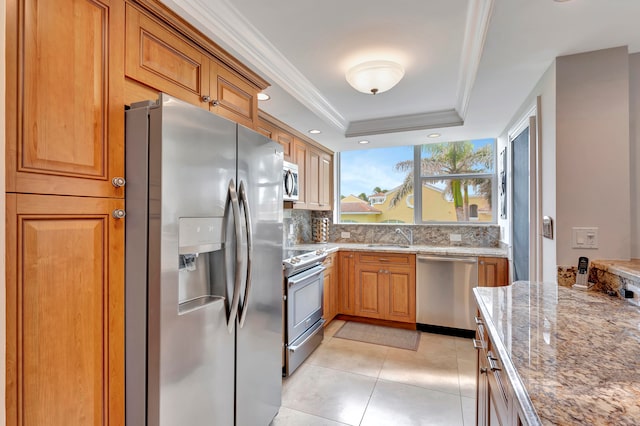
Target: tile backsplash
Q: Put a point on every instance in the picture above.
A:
(297, 230)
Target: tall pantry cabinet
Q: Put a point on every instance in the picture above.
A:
(65, 206)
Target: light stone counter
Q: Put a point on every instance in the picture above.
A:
(415, 249)
(572, 357)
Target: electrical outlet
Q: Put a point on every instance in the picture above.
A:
(586, 238)
(636, 294)
(345, 234)
(455, 237)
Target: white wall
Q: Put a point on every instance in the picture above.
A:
(634, 138)
(592, 153)
(546, 89)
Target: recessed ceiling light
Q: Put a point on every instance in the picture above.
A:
(434, 135)
(314, 131)
(263, 97)
(363, 142)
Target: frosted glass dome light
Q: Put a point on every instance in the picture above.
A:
(375, 76)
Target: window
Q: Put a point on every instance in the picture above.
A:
(456, 180)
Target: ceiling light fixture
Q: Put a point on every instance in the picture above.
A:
(363, 142)
(314, 131)
(434, 135)
(263, 97)
(375, 76)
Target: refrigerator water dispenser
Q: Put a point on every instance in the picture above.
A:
(200, 263)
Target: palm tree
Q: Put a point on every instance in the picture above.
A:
(452, 158)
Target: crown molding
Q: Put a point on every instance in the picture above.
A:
(477, 25)
(404, 123)
(220, 19)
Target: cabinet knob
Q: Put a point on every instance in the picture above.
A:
(206, 98)
(483, 370)
(118, 181)
(215, 102)
(118, 214)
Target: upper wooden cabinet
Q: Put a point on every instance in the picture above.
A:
(274, 133)
(301, 158)
(317, 179)
(65, 109)
(493, 271)
(167, 61)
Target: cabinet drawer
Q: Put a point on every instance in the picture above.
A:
(394, 259)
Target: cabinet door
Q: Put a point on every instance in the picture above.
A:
(65, 311)
(313, 179)
(65, 118)
(401, 294)
(370, 291)
(164, 60)
(325, 181)
(329, 304)
(347, 288)
(301, 158)
(286, 140)
(482, 391)
(493, 272)
(232, 97)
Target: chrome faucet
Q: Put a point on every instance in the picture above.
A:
(408, 237)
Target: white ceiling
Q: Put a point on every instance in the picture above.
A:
(469, 60)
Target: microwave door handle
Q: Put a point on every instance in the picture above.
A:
(288, 183)
(247, 288)
(235, 301)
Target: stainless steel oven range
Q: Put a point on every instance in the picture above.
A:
(304, 281)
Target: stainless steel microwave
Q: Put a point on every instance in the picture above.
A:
(290, 181)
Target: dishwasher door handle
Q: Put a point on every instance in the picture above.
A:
(448, 259)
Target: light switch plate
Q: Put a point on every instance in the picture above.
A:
(455, 237)
(345, 234)
(584, 237)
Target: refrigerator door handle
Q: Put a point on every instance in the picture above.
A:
(235, 301)
(247, 216)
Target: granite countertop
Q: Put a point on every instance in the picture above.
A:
(573, 357)
(415, 249)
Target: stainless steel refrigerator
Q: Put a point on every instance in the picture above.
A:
(203, 269)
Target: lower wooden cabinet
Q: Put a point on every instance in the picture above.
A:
(65, 311)
(495, 402)
(385, 286)
(347, 284)
(493, 271)
(331, 295)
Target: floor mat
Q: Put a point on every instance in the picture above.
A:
(380, 335)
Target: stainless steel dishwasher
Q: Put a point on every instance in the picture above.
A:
(444, 295)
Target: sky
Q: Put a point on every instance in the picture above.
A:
(361, 171)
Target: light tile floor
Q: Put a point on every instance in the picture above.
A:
(353, 383)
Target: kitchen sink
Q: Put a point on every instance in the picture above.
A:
(389, 245)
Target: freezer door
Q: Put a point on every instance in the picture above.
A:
(259, 330)
(191, 350)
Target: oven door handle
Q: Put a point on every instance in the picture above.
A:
(305, 275)
(235, 208)
(318, 326)
(247, 285)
